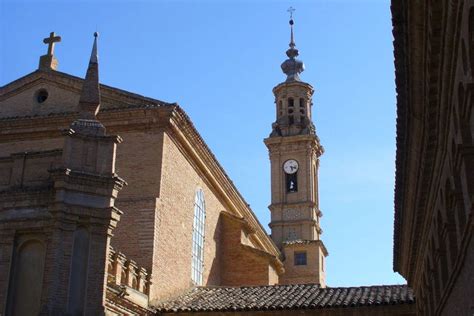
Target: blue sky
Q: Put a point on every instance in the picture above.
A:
(220, 60)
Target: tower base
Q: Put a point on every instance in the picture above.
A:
(304, 262)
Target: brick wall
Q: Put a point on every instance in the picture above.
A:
(139, 160)
(59, 100)
(172, 261)
(312, 272)
(242, 263)
(155, 229)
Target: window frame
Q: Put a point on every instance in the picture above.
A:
(198, 238)
(298, 260)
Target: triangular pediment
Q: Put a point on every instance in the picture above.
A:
(51, 92)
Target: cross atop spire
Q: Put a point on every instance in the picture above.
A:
(292, 40)
(292, 52)
(292, 67)
(291, 10)
(48, 61)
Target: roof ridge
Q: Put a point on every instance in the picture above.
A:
(286, 297)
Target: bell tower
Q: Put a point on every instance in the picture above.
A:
(294, 150)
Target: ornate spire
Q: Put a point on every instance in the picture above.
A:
(292, 67)
(89, 102)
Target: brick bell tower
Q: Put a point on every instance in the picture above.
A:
(294, 151)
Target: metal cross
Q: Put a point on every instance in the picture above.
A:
(51, 40)
(291, 10)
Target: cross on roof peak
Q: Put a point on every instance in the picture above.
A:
(51, 40)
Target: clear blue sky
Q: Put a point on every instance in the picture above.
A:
(220, 60)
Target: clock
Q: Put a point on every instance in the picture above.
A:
(290, 166)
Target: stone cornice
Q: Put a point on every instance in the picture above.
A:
(287, 222)
(88, 182)
(400, 24)
(301, 204)
(296, 243)
(293, 84)
(294, 143)
(48, 126)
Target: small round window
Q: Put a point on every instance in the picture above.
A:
(41, 95)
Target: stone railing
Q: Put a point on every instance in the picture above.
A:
(122, 271)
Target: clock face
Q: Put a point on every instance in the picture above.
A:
(290, 166)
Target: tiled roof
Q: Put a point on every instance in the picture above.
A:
(285, 297)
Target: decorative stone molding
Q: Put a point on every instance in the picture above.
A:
(124, 271)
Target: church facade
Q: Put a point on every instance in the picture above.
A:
(112, 203)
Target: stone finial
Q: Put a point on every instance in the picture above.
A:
(48, 61)
(89, 102)
(292, 67)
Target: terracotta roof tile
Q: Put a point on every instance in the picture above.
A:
(299, 296)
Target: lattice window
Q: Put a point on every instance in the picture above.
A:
(300, 258)
(197, 265)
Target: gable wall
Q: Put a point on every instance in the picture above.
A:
(172, 264)
(24, 103)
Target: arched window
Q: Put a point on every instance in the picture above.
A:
(302, 106)
(291, 182)
(302, 103)
(27, 281)
(291, 102)
(79, 269)
(197, 265)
